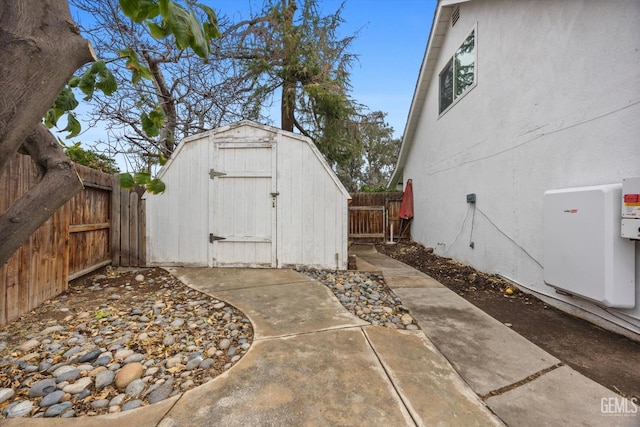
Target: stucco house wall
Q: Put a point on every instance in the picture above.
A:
(556, 104)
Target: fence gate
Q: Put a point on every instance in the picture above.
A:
(374, 217)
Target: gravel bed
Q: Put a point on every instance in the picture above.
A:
(367, 296)
(119, 343)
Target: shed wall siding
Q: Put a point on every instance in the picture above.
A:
(556, 105)
(178, 219)
(311, 214)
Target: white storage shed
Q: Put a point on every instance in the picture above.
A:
(248, 195)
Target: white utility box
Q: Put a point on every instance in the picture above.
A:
(584, 253)
(630, 227)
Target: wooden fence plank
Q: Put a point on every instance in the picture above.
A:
(115, 222)
(134, 261)
(142, 224)
(92, 230)
(124, 228)
(371, 216)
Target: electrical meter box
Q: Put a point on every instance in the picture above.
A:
(630, 227)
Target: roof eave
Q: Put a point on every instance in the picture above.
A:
(439, 28)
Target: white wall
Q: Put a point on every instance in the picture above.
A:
(557, 105)
(177, 225)
(312, 209)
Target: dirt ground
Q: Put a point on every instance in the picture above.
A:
(607, 358)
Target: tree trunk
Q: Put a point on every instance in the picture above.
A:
(289, 61)
(41, 49)
(59, 183)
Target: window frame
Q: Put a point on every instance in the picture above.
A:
(450, 65)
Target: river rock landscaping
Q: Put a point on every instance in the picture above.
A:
(116, 341)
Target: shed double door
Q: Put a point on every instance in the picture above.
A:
(243, 201)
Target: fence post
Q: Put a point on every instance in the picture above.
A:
(124, 228)
(134, 260)
(115, 222)
(142, 224)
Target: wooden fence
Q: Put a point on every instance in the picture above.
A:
(82, 236)
(372, 216)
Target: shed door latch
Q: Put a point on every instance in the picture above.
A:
(213, 173)
(273, 198)
(213, 238)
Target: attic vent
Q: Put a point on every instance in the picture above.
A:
(455, 16)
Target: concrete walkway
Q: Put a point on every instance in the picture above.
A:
(521, 383)
(312, 363)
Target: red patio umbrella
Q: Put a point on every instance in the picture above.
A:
(406, 208)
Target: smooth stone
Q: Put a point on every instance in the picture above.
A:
(173, 361)
(168, 340)
(117, 401)
(128, 373)
(132, 405)
(79, 386)
(43, 387)
(139, 278)
(135, 388)
(70, 375)
(193, 363)
(177, 323)
(161, 392)
(406, 319)
(102, 361)
(90, 356)
(55, 410)
(101, 403)
(104, 379)
(151, 371)
(20, 409)
(135, 357)
(6, 394)
(28, 345)
(207, 363)
(72, 352)
(123, 353)
(224, 344)
(52, 398)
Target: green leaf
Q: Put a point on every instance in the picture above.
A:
(163, 6)
(158, 32)
(142, 178)
(107, 83)
(162, 159)
(51, 117)
(138, 71)
(198, 41)
(73, 126)
(210, 28)
(178, 21)
(126, 180)
(156, 186)
(66, 100)
(148, 125)
(130, 7)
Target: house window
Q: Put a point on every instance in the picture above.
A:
(459, 74)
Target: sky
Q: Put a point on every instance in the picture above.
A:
(391, 39)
